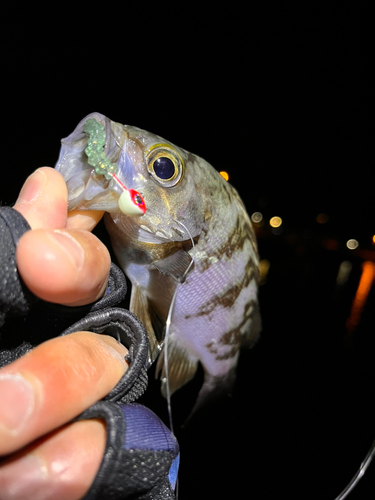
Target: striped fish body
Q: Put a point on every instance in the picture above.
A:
(195, 243)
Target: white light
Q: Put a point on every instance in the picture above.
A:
(352, 244)
(344, 271)
(257, 217)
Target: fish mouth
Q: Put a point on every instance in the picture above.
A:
(88, 190)
(153, 228)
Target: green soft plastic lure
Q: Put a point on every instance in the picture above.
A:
(130, 201)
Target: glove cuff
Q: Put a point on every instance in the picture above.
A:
(141, 456)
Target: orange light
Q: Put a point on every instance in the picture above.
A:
(373, 239)
(364, 287)
(322, 218)
(263, 267)
(276, 221)
(224, 175)
(331, 244)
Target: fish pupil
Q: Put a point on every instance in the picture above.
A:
(164, 167)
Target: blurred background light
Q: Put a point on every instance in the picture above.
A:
(331, 244)
(276, 221)
(352, 244)
(364, 287)
(257, 217)
(322, 218)
(224, 175)
(263, 267)
(344, 271)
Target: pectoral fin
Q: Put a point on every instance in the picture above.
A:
(181, 368)
(140, 307)
(152, 305)
(176, 265)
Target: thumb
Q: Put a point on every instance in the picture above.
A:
(43, 199)
(63, 266)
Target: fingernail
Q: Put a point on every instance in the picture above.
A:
(26, 477)
(17, 402)
(32, 188)
(70, 246)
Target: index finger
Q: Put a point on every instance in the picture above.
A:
(55, 382)
(43, 201)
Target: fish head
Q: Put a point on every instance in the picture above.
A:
(135, 161)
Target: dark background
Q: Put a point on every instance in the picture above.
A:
(277, 94)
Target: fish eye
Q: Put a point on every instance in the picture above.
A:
(165, 165)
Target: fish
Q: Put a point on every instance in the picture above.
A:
(190, 254)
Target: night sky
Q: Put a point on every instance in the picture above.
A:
(278, 95)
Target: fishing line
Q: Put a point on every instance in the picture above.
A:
(166, 370)
(166, 340)
(364, 465)
(132, 203)
(167, 327)
(359, 474)
(368, 458)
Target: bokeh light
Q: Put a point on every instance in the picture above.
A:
(257, 217)
(263, 267)
(322, 218)
(344, 271)
(276, 221)
(364, 287)
(352, 244)
(224, 175)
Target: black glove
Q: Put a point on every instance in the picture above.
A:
(141, 457)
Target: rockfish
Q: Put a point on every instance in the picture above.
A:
(188, 242)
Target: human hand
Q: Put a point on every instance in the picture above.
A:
(62, 262)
